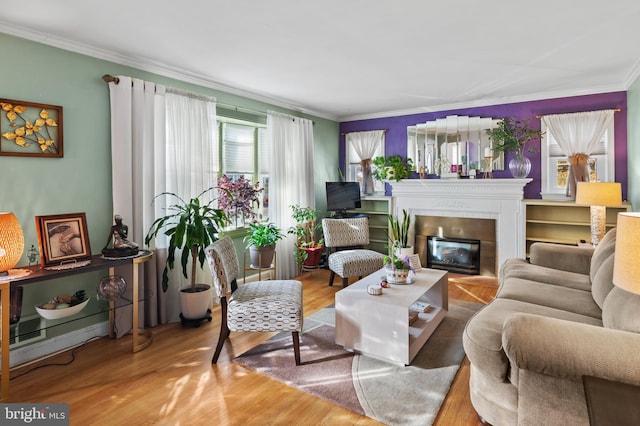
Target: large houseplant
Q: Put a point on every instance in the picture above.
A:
(308, 251)
(393, 167)
(190, 226)
(261, 242)
(513, 135)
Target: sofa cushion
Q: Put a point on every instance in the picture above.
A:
(603, 250)
(620, 311)
(561, 257)
(550, 295)
(520, 268)
(602, 281)
(482, 336)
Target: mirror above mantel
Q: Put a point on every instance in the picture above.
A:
(453, 146)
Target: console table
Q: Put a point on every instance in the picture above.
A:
(141, 338)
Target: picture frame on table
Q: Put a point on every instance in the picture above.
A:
(63, 238)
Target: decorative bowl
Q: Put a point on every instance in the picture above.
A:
(52, 314)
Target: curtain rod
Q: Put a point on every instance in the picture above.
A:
(111, 79)
(540, 116)
(241, 109)
(345, 134)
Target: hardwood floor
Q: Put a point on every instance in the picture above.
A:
(172, 382)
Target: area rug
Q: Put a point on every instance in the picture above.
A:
(391, 394)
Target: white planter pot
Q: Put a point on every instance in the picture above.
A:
(404, 251)
(195, 305)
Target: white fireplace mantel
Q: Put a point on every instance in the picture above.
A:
(498, 199)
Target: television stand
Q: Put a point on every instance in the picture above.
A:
(343, 214)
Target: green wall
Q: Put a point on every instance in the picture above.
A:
(81, 181)
(633, 144)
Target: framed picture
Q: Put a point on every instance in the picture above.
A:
(63, 238)
(30, 130)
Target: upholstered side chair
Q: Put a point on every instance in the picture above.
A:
(346, 239)
(270, 305)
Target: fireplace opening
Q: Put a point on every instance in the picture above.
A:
(454, 254)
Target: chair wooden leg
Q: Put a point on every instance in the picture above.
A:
(345, 282)
(331, 277)
(224, 330)
(296, 346)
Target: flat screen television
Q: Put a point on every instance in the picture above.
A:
(343, 196)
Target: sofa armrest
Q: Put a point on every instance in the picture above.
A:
(563, 257)
(571, 350)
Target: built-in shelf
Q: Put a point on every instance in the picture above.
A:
(563, 222)
(376, 208)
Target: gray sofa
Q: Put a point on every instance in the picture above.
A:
(554, 320)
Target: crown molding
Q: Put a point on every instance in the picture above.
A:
(152, 66)
(177, 73)
(489, 102)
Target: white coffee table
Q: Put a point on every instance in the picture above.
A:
(378, 326)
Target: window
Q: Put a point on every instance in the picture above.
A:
(354, 169)
(555, 165)
(244, 151)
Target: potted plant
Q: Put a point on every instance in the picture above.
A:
(400, 232)
(392, 167)
(261, 242)
(397, 267)
(308, 251)
(513, 135)
(191, 226)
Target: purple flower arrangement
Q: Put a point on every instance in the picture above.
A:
(238, 197)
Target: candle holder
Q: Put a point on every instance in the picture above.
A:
(488, 169)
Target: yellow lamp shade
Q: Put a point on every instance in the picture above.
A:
(626, 264)
(11, 241)
(608, 194)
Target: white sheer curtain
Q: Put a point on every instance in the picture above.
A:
(191, 167)
(365, 145)
(577, 134)
(291, 179)
(137, 135)
(162, 140)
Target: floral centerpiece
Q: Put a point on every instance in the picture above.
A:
(396, 266)
(237, 198)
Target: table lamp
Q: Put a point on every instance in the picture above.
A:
(11, 242)
(599, 196)
(626, 267)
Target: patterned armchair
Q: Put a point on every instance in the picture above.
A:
(272, 305)
(345, 239)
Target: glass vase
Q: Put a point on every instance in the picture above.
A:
(520, 166)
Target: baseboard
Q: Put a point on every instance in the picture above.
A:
(49, 347)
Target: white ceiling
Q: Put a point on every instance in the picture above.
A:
(351, 59)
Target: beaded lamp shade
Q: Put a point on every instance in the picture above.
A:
(11, 242)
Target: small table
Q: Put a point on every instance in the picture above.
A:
(271, 267)
(378, 326)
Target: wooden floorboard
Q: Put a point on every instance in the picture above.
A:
(172, 382)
